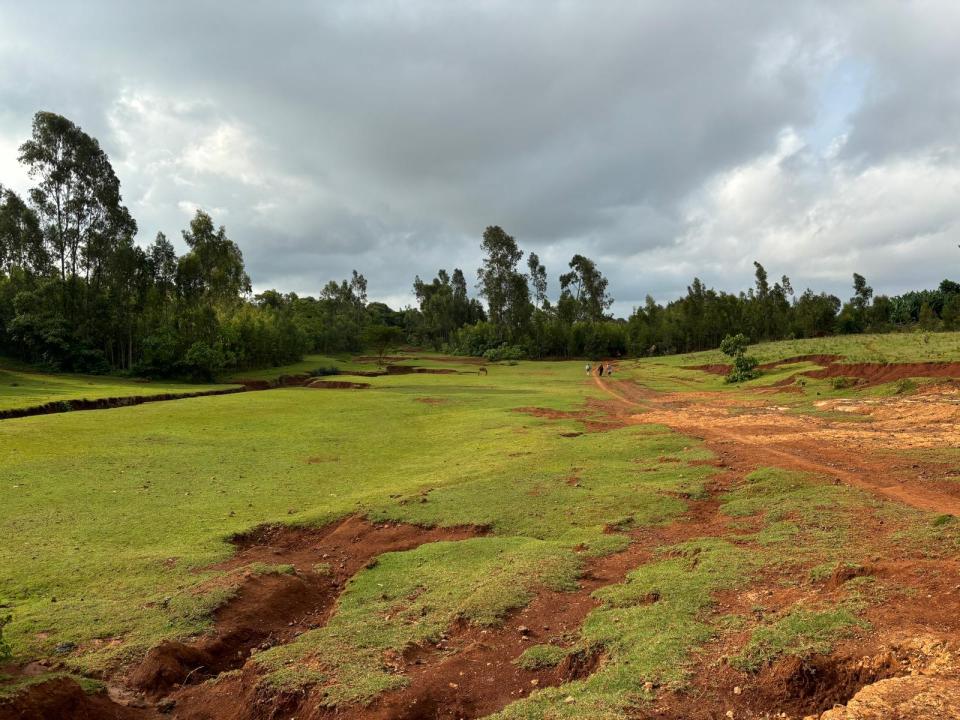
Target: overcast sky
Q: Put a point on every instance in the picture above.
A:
(662, 139)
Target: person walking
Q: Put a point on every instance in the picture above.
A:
(588, 368)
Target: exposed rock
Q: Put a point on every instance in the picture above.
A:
(915, 697)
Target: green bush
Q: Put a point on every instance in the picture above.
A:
(505, 352)
(843, 382)
(205, 361)
(744, 366)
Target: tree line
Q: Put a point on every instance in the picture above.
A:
(78, 293)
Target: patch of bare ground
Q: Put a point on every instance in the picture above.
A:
(472, 671)
(759, 434)
(794, 688)
(274, 607)
(867, 373)
(62, 698)
(913, 623)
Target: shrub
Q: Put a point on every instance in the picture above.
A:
(205, 361)
(505, 352)
(744, 366)
(843, 382)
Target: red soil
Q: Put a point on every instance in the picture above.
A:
(868, 373)
(471, 672)
(63, 699)
(877, 373)
(274, 608)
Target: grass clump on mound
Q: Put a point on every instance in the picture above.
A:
(541, 656)
(801, 633)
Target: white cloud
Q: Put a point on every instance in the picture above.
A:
(821, 217)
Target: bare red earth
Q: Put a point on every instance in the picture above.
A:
(271, 609)
(868, 373)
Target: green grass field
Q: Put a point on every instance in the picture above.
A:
(111, 519)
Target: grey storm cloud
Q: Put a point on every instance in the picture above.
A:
(663, 139)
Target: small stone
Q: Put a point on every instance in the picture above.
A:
(569, 699)
(454, 685)
(523, 630)
(534, 682)
(737, 690)
(166, 705)
(729, 713)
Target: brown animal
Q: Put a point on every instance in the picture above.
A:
(482, 371)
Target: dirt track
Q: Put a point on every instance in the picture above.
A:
(856, 453)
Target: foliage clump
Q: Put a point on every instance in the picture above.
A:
(505, 352)
(744, 366)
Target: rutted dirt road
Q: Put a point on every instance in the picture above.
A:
(856, 451)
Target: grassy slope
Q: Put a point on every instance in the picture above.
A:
(885, 348)
(673, 373)
(21, 388)
(172, 480)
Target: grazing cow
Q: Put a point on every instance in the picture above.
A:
(482, 371)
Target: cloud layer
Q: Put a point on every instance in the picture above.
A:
(664, 139)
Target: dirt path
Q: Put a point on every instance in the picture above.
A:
(761, 434)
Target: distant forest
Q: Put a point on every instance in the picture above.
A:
(77, 293)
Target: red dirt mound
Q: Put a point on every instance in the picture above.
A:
(64, 698)
(877, 373)
(724, 369)
(868, 373)
(273, 608)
